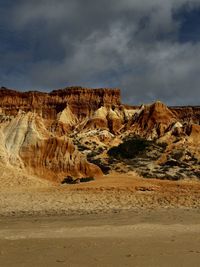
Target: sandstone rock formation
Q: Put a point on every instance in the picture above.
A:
(187, 114)
(27, 144)
(82, 101)
(69, 131)
(152, 121)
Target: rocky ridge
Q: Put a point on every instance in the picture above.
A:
(71, 131)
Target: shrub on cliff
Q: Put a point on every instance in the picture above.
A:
(130, 148)
(71, 180)
(67, 180)
(86, 179)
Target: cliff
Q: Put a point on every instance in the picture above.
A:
(187, 113)
(69, 131)
(82, 101)
(26, 143)
(152, 121)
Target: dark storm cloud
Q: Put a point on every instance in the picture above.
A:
(132, 44)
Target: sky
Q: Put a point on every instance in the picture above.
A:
(148, 49)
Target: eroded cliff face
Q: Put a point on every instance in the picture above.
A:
(27, 144)
(82, 101)
(69, 132)
(152, 121)
(187, 114)
(35, 129)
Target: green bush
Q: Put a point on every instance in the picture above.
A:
(177, 155)
(86, 179)
(163, 145)
(71, 180)
(130, 148)
(67, 180)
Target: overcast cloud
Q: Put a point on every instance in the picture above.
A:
(149, 49)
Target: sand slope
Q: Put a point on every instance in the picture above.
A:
(112, 193)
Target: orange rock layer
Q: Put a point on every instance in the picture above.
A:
(82, 101)
(37, 129)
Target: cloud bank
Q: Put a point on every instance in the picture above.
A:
(142, 47)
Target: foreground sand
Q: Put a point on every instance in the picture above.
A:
(117, 220)
(168, 237)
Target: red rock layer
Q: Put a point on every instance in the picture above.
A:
(152, 121)
(82, 101)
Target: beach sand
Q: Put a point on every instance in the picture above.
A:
(168, 237)
(107, 194)
(117, 220)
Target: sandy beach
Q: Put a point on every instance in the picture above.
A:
(100, 133)
(168, 237)
(116, 220)
(108, 194)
